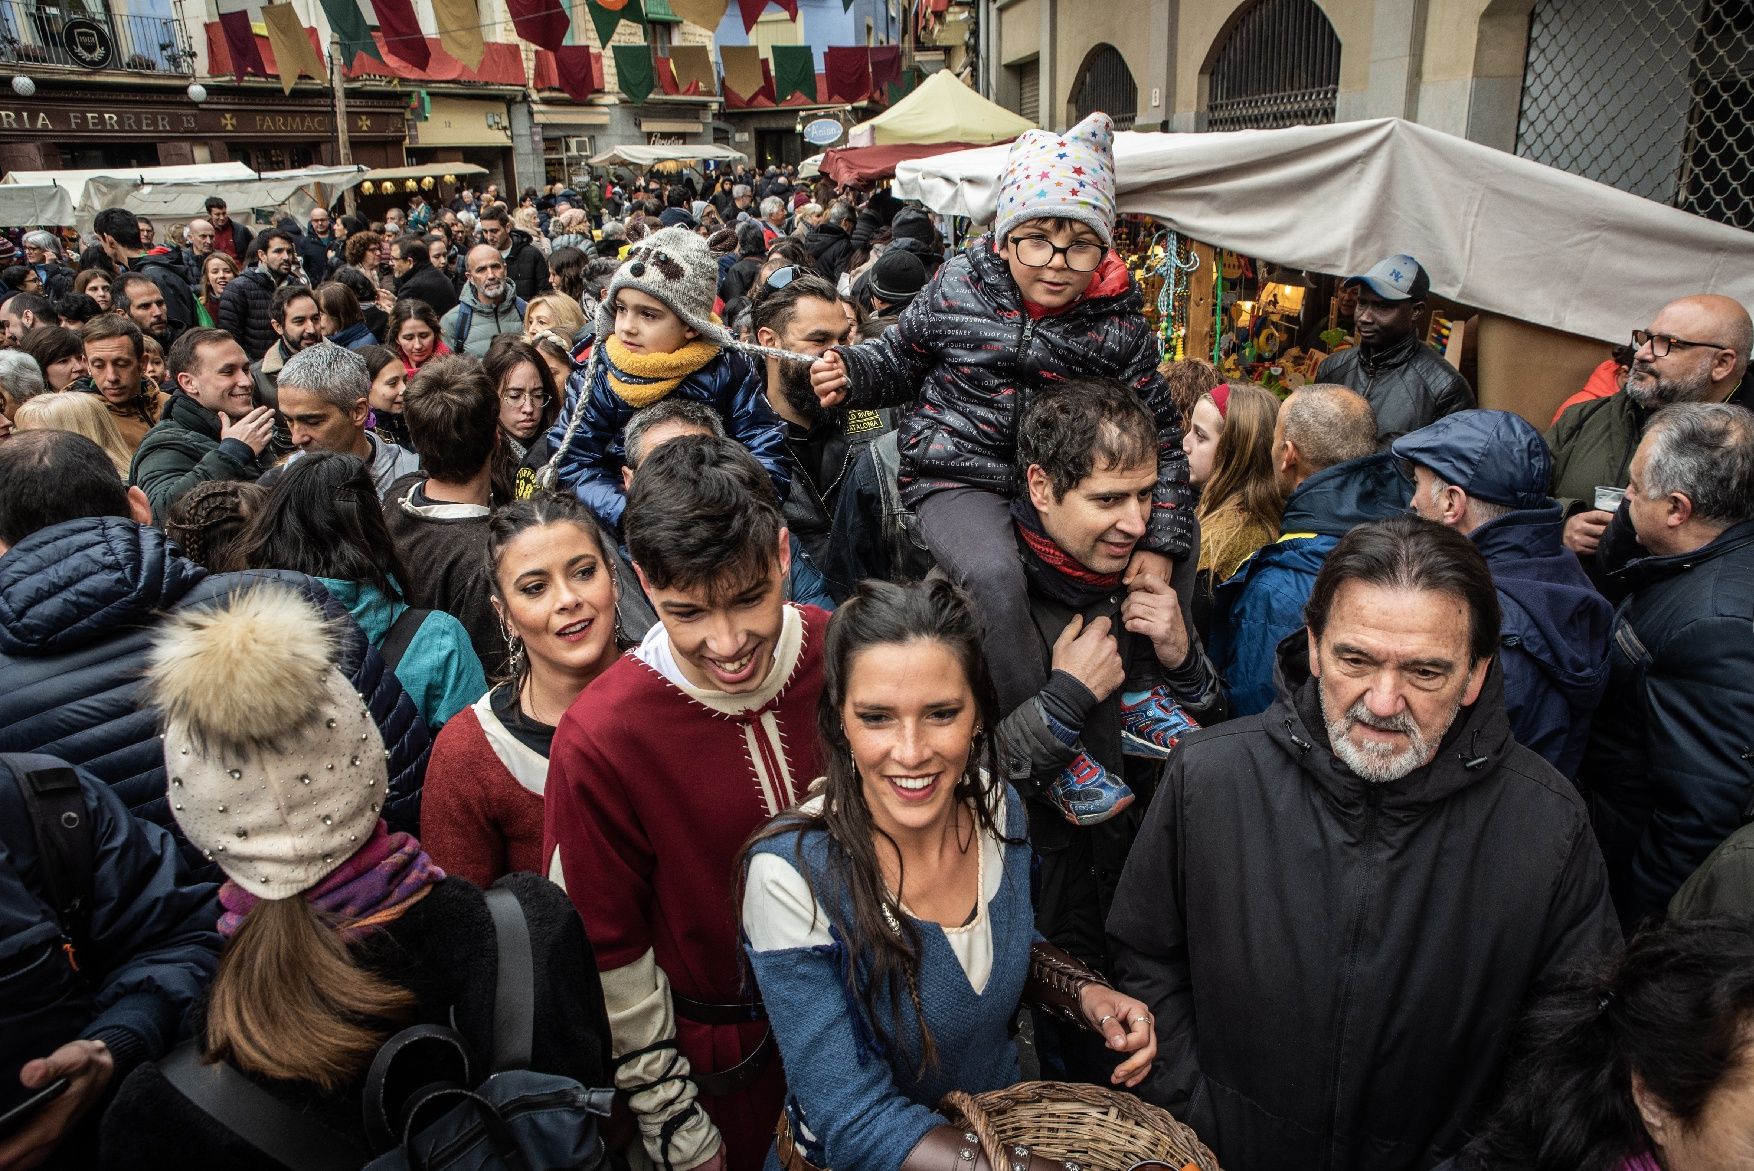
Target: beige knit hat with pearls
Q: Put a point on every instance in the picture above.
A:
(276, 767)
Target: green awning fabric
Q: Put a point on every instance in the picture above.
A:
(635, 75)
(794, 72)
(660, 11)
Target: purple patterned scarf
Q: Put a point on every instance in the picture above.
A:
(389, 874)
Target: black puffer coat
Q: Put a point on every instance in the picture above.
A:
(971, 354)
(1408, 385)
(78, 603)
(525, 266)
(245, 312)
(1334, 965)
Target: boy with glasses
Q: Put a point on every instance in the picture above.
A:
(1041, 300)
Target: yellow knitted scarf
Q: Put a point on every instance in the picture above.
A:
(640, 380)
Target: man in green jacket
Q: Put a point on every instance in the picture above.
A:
(212, 428)
(1696, 350)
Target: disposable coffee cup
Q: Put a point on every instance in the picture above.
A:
(1608, 499)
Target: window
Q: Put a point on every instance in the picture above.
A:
(1278, 65)
(1105, 83)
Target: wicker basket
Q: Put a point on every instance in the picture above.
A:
(1096, 1128)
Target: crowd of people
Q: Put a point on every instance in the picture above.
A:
(731, 646)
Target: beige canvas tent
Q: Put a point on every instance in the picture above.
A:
(942, 109)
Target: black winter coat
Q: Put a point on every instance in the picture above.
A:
(442, 950)
(164, 268)
(428, 284)
(1409, 385)
(245, 312)
(1334, 966)
(832, 248)
(183, 450)
(971, 354)
(78, 603)
(1670, 765)
(525, 266)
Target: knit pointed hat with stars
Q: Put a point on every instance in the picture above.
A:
(1061, 176)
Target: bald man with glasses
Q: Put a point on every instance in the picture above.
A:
(1696, 349)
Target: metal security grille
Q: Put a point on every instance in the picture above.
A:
(1278, 66)
(1107, 85)
(1029, 91)
(1655, 97)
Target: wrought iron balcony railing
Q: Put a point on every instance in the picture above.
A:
(71, 35)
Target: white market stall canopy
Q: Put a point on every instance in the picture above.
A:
(941, 109)
(275, 193)
(26, 205)
(1501, 233)
(75, 181)
(645, 156)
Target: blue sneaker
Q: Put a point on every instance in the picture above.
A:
(1085, 793)
(1152, 724)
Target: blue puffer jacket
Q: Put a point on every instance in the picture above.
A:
(78, 601)
(591, 467)
(1553, 644)
(1263, 601)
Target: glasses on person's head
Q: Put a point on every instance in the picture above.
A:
(1039, 252)
(781, 277)
(517, 398)
(1661, 343)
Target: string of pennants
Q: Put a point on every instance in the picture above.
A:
(851, 74)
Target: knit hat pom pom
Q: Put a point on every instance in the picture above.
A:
(241, 677)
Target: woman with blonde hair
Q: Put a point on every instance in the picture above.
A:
(524, 220)
(82, 414)
(553, 311)
(1229, 442)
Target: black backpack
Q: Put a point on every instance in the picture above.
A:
(425, 1108)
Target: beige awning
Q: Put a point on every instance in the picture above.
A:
(431, 170)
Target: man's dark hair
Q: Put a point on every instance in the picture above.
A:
(702, 512)
(183, 359)
(1083, 425)
(213, 203)
(1411, 553)
(364, 291)
(119, 224)
(452, 412)
(677, 196)
(113, 325)
(751, 240)
(266, 240)
(496, 213)
(284, 296)
(22, 303)
(77, 307)
(412, 249)
(120, 297)
(774, 308)
(48, 477)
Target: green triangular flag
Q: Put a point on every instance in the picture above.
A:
(349, 27)
(794, 72)
(634, 73)
(604, 17)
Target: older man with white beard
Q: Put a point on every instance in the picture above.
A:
(1336, 908)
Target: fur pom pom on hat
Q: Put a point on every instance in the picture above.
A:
(276, 767)
(1061, 176)
(675, 266)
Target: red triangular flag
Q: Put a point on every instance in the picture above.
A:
(579, 75)
(541, 22)
(752, 9)
(400, 27)
(240, 38)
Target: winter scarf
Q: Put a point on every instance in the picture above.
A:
(389, 874)
(640, 380)
(1053, 571)
(408, 366)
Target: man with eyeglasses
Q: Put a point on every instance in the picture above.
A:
(1406, 382)
(1696, 350)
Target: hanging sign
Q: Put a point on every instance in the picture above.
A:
(822, 131)
(88, 43)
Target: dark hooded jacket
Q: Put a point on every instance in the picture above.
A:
(832, 248)
(525, 266)
(1334, 965)
(164, 268)
(183, 450)
(1670, 764)
(1263, 601)
(78, 604)
(1553, 648)
(1408, 384)
(245, 311)
(423, 282)
(970, 352)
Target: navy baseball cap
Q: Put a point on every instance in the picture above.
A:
(1493, 455)
(1399, 278)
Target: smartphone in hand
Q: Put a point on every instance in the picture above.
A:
(19, 1115)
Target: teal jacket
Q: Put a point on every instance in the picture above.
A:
(440, 671)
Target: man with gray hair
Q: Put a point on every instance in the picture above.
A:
(1668, 768)
(20, 377)
(323, 400)
(773, 217)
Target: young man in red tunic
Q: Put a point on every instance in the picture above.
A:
(667, 762)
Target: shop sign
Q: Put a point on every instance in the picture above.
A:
(666, 140)
(88, 43)
(822, 131)
(81, 121)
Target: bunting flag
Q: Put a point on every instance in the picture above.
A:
(349, 28)
(541, 22)
(459, 30)
(742, 65)
(693, 63)
(293, 51)
(240, 40)
(794, 72)
(579, 68)
(705, 13)
(400, 28)
(752, 9)
(607, 14)
(634, 73)
(885, 68)
(849, 73)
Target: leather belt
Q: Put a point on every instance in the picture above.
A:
(739, 1076)
(785, 1147)
(703, 1012)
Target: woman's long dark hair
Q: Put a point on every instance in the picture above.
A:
(1674, 1008)
(538, 511)
(409, 309)
(883, 949)
(323, 518)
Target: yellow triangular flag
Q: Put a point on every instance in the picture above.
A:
(705, 13)
(293, 53)
(459, 30)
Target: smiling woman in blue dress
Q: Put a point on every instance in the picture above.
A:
(887, 919)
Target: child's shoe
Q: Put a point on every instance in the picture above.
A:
(1152, 723)
(1085, 793)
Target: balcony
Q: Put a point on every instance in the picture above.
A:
(34, 35)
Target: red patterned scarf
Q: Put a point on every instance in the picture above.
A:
(389, 874)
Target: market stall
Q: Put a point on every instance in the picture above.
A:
(861, 166)
(387, 187)
(23, 206)
(259, 198)
(941, 109)
(636, 155)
